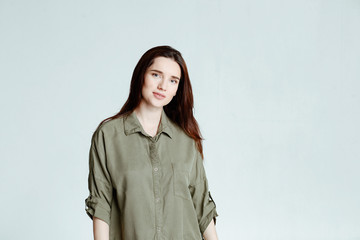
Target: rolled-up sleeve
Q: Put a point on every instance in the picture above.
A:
(204, 204)
(98, 203)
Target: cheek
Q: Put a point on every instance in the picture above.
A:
(147, 84)
(144, 90)
(175, 90)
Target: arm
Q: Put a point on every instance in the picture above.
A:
(210, 232)
(203, 203)
(101, 229)
(98, 203)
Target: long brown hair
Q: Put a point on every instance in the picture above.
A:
(180, 108)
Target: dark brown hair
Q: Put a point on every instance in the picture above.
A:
(180, 108)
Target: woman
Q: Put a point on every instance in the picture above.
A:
(146, 173)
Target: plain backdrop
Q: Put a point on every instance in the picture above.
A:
(276, 90)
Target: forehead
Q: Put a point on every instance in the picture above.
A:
(166, 65)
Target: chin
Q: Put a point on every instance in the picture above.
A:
(157, 105)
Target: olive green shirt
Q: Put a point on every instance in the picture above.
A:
(148, 187)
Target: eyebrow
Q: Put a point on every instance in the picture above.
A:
(154, 70)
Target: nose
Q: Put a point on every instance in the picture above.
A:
(162, 85)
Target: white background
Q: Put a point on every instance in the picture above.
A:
(276, 90)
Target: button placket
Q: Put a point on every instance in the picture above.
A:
(156, 182)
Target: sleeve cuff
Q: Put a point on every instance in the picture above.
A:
(206, 220)
(94, 208)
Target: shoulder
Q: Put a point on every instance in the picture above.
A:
(109, 128)
(179, 134)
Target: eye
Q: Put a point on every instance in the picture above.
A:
(173, 81)
(155, 75)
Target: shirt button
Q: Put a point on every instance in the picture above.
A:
(157, 199)
(156, 169)
(158, 229)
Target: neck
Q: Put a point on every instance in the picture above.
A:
(148, 116)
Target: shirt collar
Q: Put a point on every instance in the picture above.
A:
(132, 125)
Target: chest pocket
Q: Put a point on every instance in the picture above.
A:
(181, 183)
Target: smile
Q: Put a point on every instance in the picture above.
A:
(158, 95)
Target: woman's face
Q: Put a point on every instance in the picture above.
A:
(161, 81)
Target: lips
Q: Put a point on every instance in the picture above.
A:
(158, 95)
